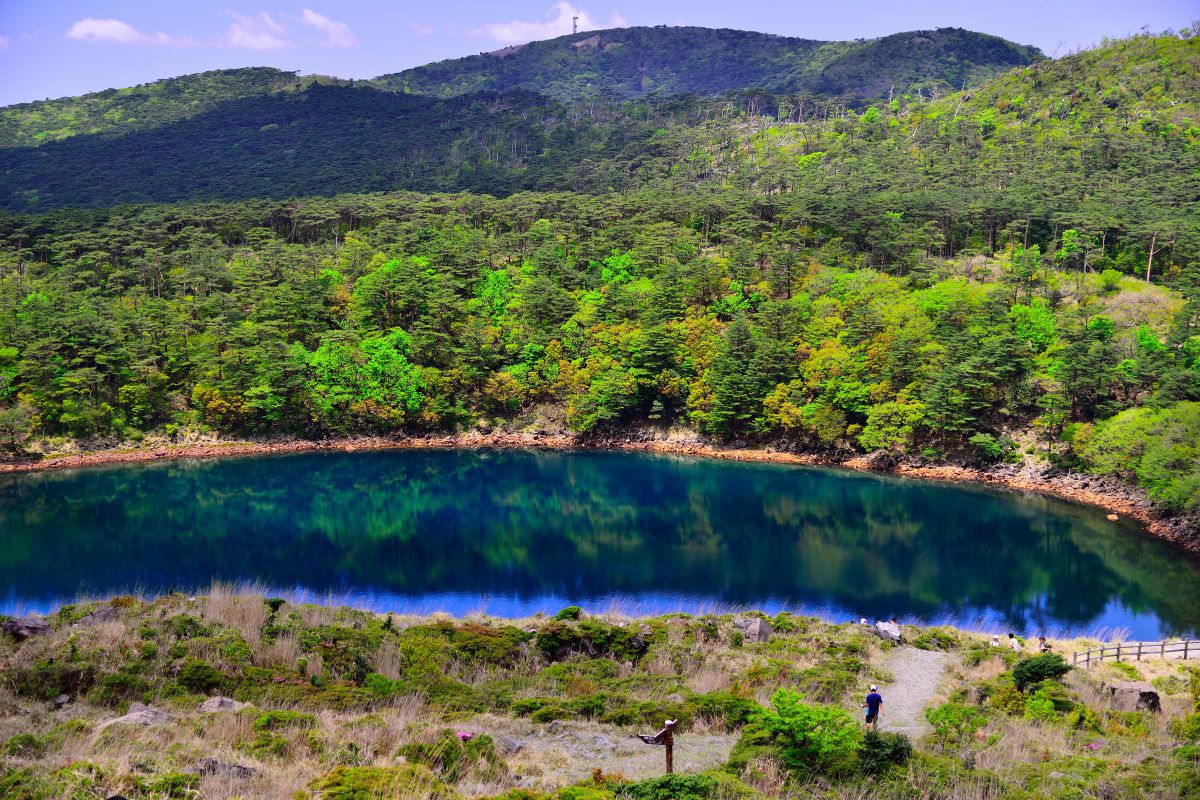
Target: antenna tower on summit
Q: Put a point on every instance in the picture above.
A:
(574, 25)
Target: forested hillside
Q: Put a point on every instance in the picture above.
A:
(1012, 270)
(667, 61)
(117, 111)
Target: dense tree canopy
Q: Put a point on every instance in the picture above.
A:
(1017, 267)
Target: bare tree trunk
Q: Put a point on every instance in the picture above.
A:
(1150, 261)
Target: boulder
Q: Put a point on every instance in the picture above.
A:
(140, 714)
(211, 766)
(1134, 696)
(753, 629)
(22, 628)
(214, 704)
(60, 700)
(509, 745)
(889, 631)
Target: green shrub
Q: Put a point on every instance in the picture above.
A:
(374, 783)
(1035, 669)
(278, 720)
(829, 681)
(199, 677)
(1082, 718)
(686, 787)
(26, 745)
(734, 709)
(936, 639)
(171, 785)
(1006, 698)
(1039, 707)
(1126, 670)
(812, 739)
(569, 613)
(454, 758)
(1187, 728)
(880, 751)
(185, 626)
(550, 713)
(81, 780)
(755, 742)
(50, 678)
(114, 689)
(954, 724)
(23, 784)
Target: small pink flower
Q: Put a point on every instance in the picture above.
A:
(1093, 746)
(465, 736)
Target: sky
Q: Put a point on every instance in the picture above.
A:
(57, 48)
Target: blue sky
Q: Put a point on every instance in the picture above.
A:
(50, 48)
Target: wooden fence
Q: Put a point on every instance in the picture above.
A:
(1136, 651)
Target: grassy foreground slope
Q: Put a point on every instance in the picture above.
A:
(665, 61)
(338, 703)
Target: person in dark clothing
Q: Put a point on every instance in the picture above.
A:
(872, 704)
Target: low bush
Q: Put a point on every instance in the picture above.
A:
(936, 639)
(373, 783)
(1187, 728)
(454, 758)
(278, 720)
(25, 745)
(1035, 669)
(569, 613)
(954, 724)
(812, 739)
(880, 751)
(199, 677)
(1039, 707)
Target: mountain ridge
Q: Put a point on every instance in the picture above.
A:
(718, 61)
(664, 61)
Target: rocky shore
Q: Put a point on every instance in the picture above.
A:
(1116, 497)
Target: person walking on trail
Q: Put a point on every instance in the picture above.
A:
(1015, 643)
(872, 704)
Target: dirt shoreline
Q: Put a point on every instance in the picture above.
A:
(1109, 494)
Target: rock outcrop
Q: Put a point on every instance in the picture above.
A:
(22, 628)
(753, 629)
(1134, 696)
(140, 714)
(214, 704)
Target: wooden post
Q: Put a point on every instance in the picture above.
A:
(666, 738)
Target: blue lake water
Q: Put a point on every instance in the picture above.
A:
(512, 532)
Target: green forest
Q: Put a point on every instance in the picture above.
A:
(1011, 270)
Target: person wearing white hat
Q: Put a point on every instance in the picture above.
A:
(873, 703)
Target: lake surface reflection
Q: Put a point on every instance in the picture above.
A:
(513, 532)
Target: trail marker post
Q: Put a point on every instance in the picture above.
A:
(666, 738)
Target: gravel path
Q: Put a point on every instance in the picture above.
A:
(917, 674)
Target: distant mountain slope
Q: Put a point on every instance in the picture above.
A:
(118, 111)
(664, 61)
(1117, 122)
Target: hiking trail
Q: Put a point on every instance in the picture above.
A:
(916, 675)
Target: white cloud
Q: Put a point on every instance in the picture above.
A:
(3, 44)
(114, 31)
(557, 23)
(260, 32)
(420, 28)
(337, 34)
